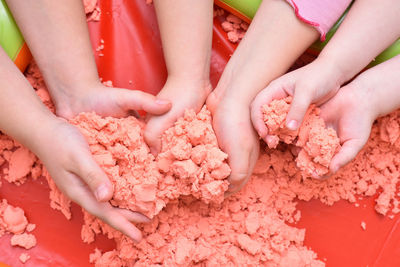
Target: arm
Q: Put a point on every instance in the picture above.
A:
(368, 29)
(374, 93)
(58, 38)
(274, 40)
(61, 148)
(368, 26)
(186, 34)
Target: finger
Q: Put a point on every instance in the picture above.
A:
(252, 162)
(273, 91)
(118, 221)
(115, 217)
(347, 152)
(138, 100)
(91, 173)
(242, 158)
(152, 134)
(134, 216)
(298, 108)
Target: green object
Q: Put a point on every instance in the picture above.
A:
(247, 7)
(389, 52)
(10, 37)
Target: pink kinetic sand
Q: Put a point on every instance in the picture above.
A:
(23, 240)
(13, 221)
(190, 162)
(248, 228)
(233, 26)
(317, 144)
(24, 257)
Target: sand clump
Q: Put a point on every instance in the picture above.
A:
(13, 221)
(190, 162)
(315, 143)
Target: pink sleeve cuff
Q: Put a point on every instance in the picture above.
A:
(321, 14)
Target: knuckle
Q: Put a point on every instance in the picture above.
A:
(92, 177)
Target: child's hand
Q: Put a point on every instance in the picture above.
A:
(353, 110)
(68, 160)
(313, 83)
(183, 95)
(236, 137)
(106, 101)
(350, 113)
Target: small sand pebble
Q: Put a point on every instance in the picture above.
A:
(363, 225)
(24, 257)
(30, 227)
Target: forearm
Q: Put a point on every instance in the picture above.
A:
(186, 33)
(58, 38)
(381, 86)
(22, 115)
(369, 28)
(274, 40)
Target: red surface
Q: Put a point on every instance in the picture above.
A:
(133, 52)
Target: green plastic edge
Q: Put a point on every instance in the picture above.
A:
(10, 37)
(246, 7)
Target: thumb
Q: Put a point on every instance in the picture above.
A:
(347, 152)
(138, 100)
(91, 173)
(300, 103)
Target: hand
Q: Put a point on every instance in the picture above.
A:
(351, 114)
(183, 95)
(353, 110)
(236, 137)
(314, 83)
(107, 101)
(69, 162)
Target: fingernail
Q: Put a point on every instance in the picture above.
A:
(135, 239)
(102, 192)
(162, 102)
(292, 125)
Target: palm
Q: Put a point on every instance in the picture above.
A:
(351, 123)
(238, 139)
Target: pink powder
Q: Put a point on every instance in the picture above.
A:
(12, 219)
(24, 257)
(364, 226)
(317, 144)
(24, 240)
(20, 164)
(92, 10)
(190, 162)
(89, 5)
(235, 27)
(30, 227)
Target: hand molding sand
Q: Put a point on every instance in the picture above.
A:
(317, 144)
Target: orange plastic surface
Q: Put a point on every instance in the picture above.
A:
(23, 58)
(132, 52)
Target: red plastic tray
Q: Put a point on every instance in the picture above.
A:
(132, 52)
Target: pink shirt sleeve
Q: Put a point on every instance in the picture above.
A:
(321, 14)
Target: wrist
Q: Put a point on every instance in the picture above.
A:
(185, 82)
(41, 132)
(337, 72)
